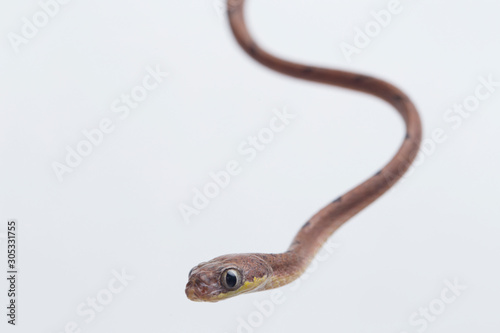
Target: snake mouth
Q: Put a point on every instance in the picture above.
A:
(191, 294)
(195, 297)
(198, 291)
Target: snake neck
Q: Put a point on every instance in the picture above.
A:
(286, 267)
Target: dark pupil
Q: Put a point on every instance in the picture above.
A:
(230, 279)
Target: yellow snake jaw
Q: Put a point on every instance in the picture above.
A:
(266, 271)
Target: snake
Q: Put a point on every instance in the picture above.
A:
(231, 275)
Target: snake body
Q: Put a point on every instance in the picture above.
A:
(234, 274)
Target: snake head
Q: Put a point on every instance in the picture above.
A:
(227, 276)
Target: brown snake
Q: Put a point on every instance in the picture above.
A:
(230, 275)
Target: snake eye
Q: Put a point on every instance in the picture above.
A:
(231, 279)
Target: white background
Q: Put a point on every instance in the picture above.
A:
(119, 208)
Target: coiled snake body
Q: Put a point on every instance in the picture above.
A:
(230, 275)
